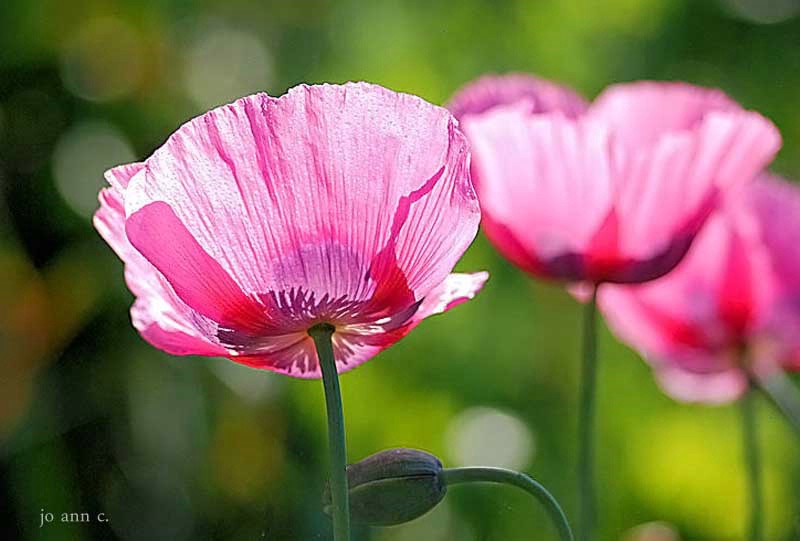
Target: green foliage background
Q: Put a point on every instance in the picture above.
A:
(94, 420)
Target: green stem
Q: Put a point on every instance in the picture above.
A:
(586, 495)
(454, 476)
(752, 458)
(323, 335)
(783, 395)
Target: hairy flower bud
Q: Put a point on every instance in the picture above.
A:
(393, 487)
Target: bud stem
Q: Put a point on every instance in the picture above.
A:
(454, 476)
(586, 509)
(323, 335)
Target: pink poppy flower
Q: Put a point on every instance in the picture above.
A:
(735, 299)
(347, 204)
(617, 193)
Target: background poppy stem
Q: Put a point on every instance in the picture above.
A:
(752, 459)
(586, 494)
(455, 476)
(322, 335)
(780, 391)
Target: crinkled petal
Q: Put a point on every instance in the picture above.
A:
(714, 388)
(348, 204)
(666, 193)
(565, 199)
(158, 314)
(538, 95)
(643, 317)
(197, 279)
(718, 290)
(346, 191)
(640, 113)
(776, 204)
(457, 288)
(690, 322)
(544, 183)
(119, 177)
(356, 345)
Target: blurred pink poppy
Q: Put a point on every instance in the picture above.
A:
(346, 204)
(615, 193)
(735, 299)
(535, 94)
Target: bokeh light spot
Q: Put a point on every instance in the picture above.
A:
(490, 437)
(82, 155)
(652, 531)
(763, 11)
(249, 383)
(103, 60)
(225, 63)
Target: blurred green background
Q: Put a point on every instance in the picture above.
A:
(94, 420)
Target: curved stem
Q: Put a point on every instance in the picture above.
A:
(752, 458)
(454, 476)
(783, 395)
(586, 494)
(322, 335)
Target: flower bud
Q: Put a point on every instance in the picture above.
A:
(393, 487)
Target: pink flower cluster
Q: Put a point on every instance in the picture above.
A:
(657, 192)
(350, 205)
